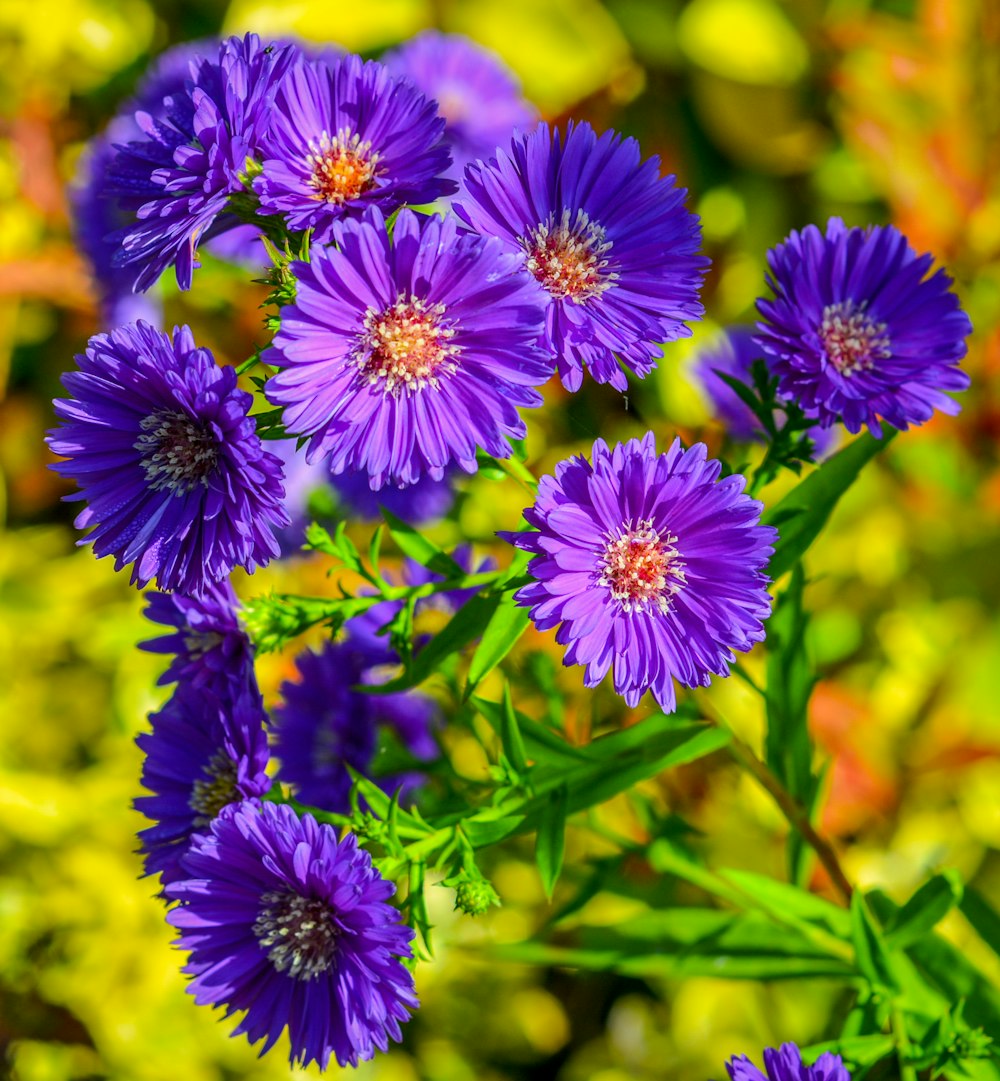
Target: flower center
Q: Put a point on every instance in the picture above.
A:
(342, 167)
(175, 452)
(215, 789)
(641, 568)
(406, 347)
(299, 933)
(568, 260)
(851, 339)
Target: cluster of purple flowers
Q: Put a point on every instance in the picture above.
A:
(411, 345)
(305, 942)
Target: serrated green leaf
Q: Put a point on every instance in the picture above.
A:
(508, 622)
(930, 904)
(869, 948)
(420, 549)
(803, 512)
(551, 840)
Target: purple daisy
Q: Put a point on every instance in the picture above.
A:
(858, 332)
(402, 358)
(608, 240)
(192, 156)
(346, 135)
(174, 475)
(324, 726)
(476, 93)
(785, 1064)
(211, 650)
(290, 925)
(203, 753)
(98, 217)
(648, 564)
(733, 353)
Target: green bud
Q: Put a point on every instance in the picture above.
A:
(473, 894)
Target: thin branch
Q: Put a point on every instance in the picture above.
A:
(793, 811)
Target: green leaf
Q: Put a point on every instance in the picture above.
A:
(854, 1050)
(551, 840)
(785, 900)
(869, 948)
(684, 942)
(467, 623)
(338, 545)
(620, 760)
(420, 549)
(540, 743)
(508, 622)
(930, 904)
(788, 749)
(947, 970)
(983, 917)
(801, 515)
(510, 734)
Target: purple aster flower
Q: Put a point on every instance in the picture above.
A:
(476, 93)
(648, 564)
(203, 753)
(290, 925)
(193, 154)
(400, 359)
(733, 353)
(858, 332)
(211, 650)
(324, 726)
(346, 135)
(174, 475)
(607, 238)
(98, 217)
(786, 1064)
(426, 501)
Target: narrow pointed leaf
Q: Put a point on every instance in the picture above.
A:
(551, 842)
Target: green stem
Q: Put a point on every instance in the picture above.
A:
(793, 811)
(907, 1071)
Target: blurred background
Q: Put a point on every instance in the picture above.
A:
(773, 114)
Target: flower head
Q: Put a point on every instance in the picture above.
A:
(785, 1064)
(649, 565)
(174, 475)
(323, 725)
(607, 240)
(210, 647)
(733, 352)
(858, 332)
(192, 154)
(476, 93)
(346, 135)
(203, 753)
(400, 359)
(292, 926)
